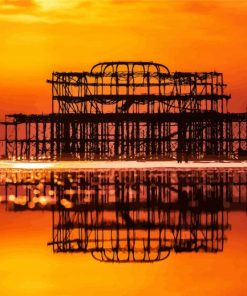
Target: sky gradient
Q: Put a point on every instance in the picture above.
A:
(40, 36)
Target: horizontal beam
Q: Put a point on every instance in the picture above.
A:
(141, 98)
(126, 117)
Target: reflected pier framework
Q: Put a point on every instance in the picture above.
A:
(131, 215)
(131, 110)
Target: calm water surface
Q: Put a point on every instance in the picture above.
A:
(123, 232)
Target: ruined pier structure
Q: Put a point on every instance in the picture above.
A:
(131, 215)
(131, 110)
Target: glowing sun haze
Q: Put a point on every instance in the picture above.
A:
(39, 36)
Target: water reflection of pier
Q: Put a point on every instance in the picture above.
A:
(136, 231)
(134, 215)
(45, 188)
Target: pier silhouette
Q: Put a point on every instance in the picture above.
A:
(131, 215)
(131, 110)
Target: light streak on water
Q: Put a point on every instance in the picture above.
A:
(119, 165)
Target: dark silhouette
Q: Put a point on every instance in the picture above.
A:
(131, 111)
(131, 215)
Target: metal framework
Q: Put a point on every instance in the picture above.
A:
(150, 216)
(131, 215)
(88, 184)
(131, 110)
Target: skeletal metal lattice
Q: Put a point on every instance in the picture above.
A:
(131, 215)
(143, 217)
(131, 110)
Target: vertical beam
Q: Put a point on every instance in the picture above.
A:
(37, 140)
(116, 140)
(6, 140)
(16, 141)
(52, 139)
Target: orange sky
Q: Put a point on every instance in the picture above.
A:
(39, 36)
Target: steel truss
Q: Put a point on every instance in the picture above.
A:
(78, 186)
(150, 216)
(181, 136)
(131, 110)
(132, 215)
